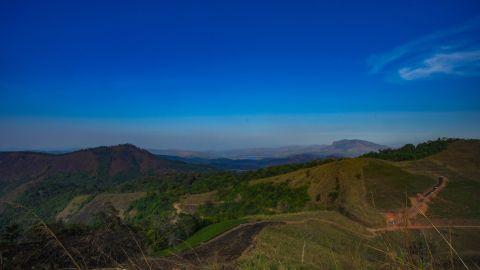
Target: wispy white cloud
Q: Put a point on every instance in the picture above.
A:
(465, 63)
(453, 51)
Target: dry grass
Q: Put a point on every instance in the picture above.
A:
(200, 198)
(190, 203)
(134, 256)
(47, 231)
(307, 241)
(73, 206)
(121, 202)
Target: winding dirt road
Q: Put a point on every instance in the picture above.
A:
(419, 206)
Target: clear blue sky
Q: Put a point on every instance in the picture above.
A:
(227, 74)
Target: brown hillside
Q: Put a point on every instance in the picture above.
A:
(21, 166)
(25, 166)
(20, 171)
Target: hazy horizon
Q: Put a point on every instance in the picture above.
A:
(391, 129)
(71, 149)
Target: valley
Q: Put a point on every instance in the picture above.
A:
(360, 213)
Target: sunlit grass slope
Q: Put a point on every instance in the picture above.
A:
(359, 188)
(333, 240)
(461, 164)
(312, 240)
(328, 240)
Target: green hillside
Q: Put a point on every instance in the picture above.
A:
(359, 188)
(460, 162)
(329, 240)
(323, 215)
(356, 192)
(333, 240)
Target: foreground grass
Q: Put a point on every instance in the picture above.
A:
(202, 236)
(310, 240)
(328, 240)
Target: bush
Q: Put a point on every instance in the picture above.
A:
(246, 199)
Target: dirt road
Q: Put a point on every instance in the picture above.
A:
(419, 205)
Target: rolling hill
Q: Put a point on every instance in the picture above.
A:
(49, 181)
(359, 188)
(331, 214)
(460, 163)
(110, 161)
(343, 223)
(312, 241)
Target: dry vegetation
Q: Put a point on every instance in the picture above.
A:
(327, 240)
(121, 202)
(73, 206)
(191, 202)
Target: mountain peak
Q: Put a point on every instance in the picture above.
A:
(126, 147)
(107, 161)
(122, 146)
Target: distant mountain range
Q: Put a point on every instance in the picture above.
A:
(245, 164)
(343, 148)
(22, 167)
(256, 158)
